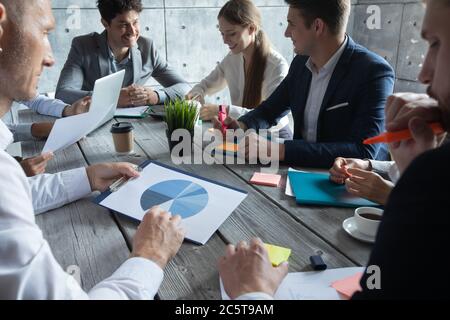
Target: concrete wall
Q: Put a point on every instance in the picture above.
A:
(186, 32)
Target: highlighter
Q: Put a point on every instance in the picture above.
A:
(389, 137)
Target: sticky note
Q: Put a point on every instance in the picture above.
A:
(266, 179)
(348, 286)
(228, 147)
(277, 255)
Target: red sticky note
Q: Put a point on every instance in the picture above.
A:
(266, 179)
(348, 286)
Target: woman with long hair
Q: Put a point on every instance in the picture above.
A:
(251, 71)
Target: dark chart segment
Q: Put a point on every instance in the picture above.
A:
(181, 197)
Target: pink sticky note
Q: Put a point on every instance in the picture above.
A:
(266, 179)
(348, 286)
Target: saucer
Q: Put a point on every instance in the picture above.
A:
(350, 227)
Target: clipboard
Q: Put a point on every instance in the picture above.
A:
(199, 202)
(317, 189)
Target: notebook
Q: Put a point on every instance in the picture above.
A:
(136, 112)
(317, 189)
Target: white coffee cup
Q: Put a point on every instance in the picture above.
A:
(367, 220)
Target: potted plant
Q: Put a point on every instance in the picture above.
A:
(180, 114)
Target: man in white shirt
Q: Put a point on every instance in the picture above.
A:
(28, 269)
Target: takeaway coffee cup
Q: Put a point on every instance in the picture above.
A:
(367, 220)
(122, 133)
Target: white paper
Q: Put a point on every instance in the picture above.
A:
(315, 285)
(289, 191)
(67, 131)
(130, 112)
(214, 203)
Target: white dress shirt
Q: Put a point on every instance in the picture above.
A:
(230, 73)
(42, 105)
(319, 85)
(387, 169)
(28, 269)
(51, 191)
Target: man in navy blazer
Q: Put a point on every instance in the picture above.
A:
(336, 90)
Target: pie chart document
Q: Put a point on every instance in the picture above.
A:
(204, 205)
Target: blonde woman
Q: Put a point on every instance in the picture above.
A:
(251, 71)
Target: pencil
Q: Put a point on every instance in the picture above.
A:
(389, 137)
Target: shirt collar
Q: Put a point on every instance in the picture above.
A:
(6, 137)
(331, 64)
(113, 58)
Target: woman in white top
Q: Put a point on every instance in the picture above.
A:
(252, 70)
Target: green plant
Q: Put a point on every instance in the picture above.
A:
(180, 114)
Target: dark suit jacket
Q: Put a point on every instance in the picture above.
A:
(88, 61)
(352, 109)
(413, 240)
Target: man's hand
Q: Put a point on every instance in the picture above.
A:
(195, 97)
(338, 173)
(101, 176)
(79, 107)
(135, 95)
(247, 269)
(41, 130)
(368, 185)
(259, 148)
(36, 165)
(209, 111)
(406, 110)
(402, 107)
(124, 98)
(158, 237)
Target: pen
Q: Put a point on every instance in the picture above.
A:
(196, 96)
(222, 117)
(389, 137)
(120, 182)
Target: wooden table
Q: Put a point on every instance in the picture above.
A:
(98, 241)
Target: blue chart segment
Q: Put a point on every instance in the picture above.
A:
(176, 196)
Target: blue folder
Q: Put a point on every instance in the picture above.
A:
(317, 189)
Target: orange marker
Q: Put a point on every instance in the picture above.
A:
(389, 137)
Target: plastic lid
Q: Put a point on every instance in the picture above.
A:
(122, 127)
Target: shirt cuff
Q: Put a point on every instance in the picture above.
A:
(255, 296)
(394, 173)
(381, 166)
(236, 112)
(162, 96)
(76, 183)
(59, 108)
(144, 271)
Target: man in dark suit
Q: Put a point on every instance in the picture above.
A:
(335, 89)
(119, 47)
(413, 239)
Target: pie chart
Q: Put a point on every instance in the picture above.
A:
(181, 197)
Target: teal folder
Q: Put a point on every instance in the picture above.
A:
(317, 189)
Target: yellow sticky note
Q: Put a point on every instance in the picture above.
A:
(277, 255)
